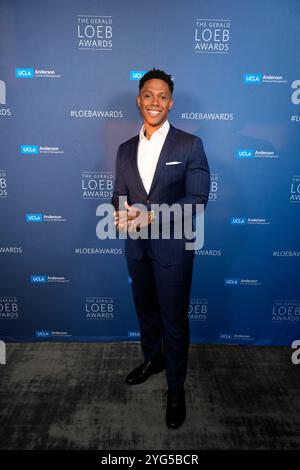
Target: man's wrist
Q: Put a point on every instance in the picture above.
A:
(151, 216)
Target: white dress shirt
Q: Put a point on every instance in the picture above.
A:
(148, 153)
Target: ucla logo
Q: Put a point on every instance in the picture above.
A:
(137, 74)
(225, 336)
(238, 220)
(244, 153)
(42, 334)
(38, 279)
(24, 73)
(29, 149)
(252, 78)
(231, 282)
(34, 218)
(134, 334)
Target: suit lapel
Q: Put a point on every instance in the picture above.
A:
(165, 151)
(135, 168)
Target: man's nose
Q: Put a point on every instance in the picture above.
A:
(155, 100)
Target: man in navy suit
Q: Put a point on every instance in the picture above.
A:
(160, 166)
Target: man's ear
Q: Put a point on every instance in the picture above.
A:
(138, 101)
(171, 104)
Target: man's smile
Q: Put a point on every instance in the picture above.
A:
(153, 112)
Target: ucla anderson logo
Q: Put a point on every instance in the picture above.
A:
(24, 73)
(137, 74)
(35, 279)
(231, 282)
(42, 334)
(34, 218)
(253, 78)
(238, 220)
(29, 149)
(134, 334)
(244, 153)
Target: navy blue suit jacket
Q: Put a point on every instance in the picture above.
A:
(187, 182)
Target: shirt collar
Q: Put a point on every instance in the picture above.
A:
(160, 133)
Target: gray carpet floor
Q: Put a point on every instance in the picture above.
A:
(73, 396)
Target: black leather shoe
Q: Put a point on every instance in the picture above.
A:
(144, 371)
(176, 410)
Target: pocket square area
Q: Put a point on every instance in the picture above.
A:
(173, 163)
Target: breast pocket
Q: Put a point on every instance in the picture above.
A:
(174, 172)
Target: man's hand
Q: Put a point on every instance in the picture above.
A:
(132, 219)
(121, 220)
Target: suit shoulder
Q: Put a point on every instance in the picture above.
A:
(186, 136)
(128, 143)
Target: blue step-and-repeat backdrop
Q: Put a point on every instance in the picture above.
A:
(69, 76)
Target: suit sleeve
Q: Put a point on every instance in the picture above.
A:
(120, 188)
(197, 180)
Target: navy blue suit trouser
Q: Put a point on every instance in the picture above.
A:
(161, 296)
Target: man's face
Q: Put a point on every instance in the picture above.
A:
(155, 101)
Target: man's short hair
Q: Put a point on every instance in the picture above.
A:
(159, 74)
